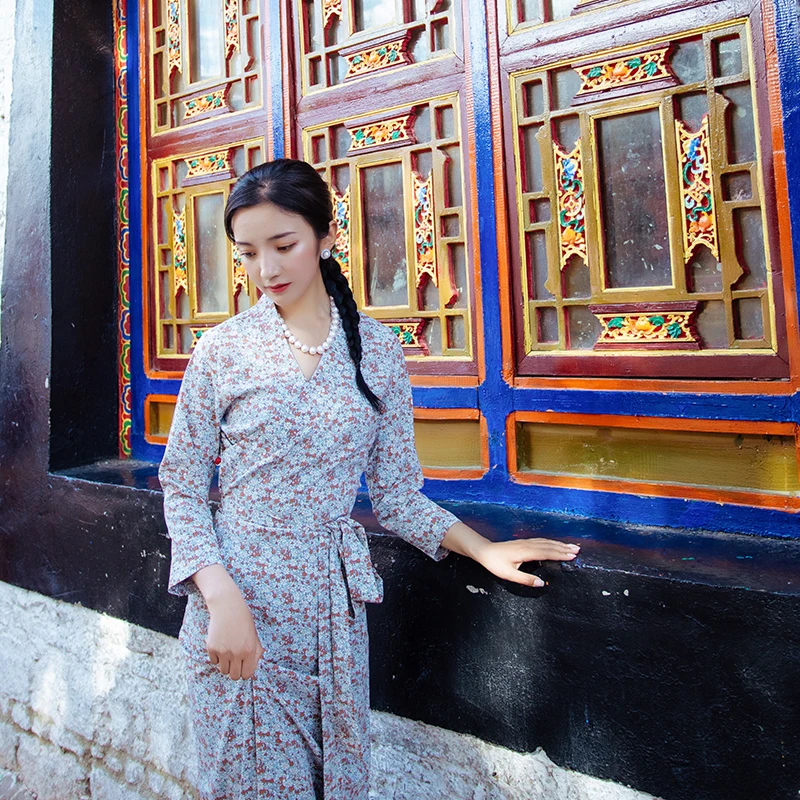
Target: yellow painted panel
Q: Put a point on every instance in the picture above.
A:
(747, 462)
(160, 418)
(448, 443)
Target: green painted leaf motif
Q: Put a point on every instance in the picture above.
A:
(359, 134)
(357, 59)
(595, 72)
(395, 134)
(381, 51)
(674, 330)
(634, 63)
(393, 55)
(616, 322)
(407, 337)
(657, 321)
(395, 329)
(651, 68)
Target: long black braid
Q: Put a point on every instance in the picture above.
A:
(296, 187)
(339, 289)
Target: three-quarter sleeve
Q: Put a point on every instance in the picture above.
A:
(187, 470)
(394, 476)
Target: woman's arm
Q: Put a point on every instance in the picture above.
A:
(504, 559)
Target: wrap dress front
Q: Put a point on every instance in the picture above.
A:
(292, 451)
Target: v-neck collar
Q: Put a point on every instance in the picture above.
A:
(271, 314)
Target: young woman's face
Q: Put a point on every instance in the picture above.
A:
(280, 251)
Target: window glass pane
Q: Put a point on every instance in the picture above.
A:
(384, 235)
(373, 13)
(583, 328)
(211, 256)
(689, 61)
(750, 248)
(206, 32)
(633, 200)
(741, 129)
(727, 57)
(750, 323)
(559, 9)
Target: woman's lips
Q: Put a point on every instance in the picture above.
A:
(279, 287)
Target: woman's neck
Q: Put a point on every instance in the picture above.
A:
(312, 307)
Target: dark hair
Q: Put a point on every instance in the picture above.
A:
(296, 187)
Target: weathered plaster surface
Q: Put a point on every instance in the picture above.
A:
(7, 10)
(94, 707)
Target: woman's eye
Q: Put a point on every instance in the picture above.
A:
(284, 247)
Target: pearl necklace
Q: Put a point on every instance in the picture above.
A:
(320, 348)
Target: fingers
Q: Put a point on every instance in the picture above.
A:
(523, 578)
(545, 550)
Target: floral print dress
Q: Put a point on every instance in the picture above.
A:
(291, 454)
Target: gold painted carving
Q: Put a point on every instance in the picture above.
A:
(652, 326)
(239, 272)
(571, 204)
(341, 213)
(424, 246)
(409, 333)
(174, 35)
(181, 280)
(697, 193)
(209, 164)
(376, 134)
(625, 71)
(390, 54)
(331, 8)
(231, 27)
(212, 101)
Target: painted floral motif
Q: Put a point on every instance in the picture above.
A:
(213, 101)
(424, 246)
(208, 164)
(697, 194)
(409, 334)
(627, 71)
(123, 256)
(291, 454)
(571, 204)
(231, 27)
(390, 131)
(341, 212)
(661, 329)
(330, 9)
(181, 280)
(174, 35)
(375, 58)
(239, 272)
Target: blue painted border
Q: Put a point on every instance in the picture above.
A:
(494, 397)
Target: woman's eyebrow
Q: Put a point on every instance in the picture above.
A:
(276, 236)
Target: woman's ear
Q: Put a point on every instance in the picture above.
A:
(330, 239)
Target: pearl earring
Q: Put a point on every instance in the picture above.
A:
(326, 253)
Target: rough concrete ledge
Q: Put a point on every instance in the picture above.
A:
(95, 707)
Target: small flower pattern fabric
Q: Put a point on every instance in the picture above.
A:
(292, 451)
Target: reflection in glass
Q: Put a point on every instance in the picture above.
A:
(736, 186)
(704, 272)
(712, 325)
(750, 322)
(750, 248)
(564, 87)
(689, 61)
(548, 324)
(206, 31)
(384, 235)
(727, 57)
(577, 282)
(692, 108)
(373, 13)
(633, 200)
(583, 328)
(211, 253)
(741, 127)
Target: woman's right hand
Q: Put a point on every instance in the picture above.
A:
(232, 643)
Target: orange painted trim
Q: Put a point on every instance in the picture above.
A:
(658, 423)
(152, 438)
(682, 491)
(781, 191)
(477, 293)
(164, 375)
(647, 385)
(504, 266)
(621, 486)
(469, 381)
(466, 473)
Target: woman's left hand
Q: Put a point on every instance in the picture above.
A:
(504, 559)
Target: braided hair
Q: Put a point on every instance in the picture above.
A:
(297, 188)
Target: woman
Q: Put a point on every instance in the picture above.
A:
(294, 398)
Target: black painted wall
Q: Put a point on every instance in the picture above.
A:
(83, 395)
(686, 687)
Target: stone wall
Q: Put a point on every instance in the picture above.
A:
(94, 707)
